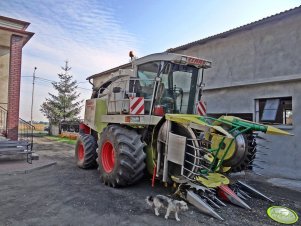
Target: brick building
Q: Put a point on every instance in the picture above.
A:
(13, 36)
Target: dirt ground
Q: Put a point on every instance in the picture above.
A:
(66, 195)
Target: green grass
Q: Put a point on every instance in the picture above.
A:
(63, 140)
(40, 134)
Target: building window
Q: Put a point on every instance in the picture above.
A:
(270, 110)
(274, 110)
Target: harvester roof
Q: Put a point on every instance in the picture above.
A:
(165, 56)
(175, 58)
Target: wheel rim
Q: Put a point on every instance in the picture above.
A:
(108, 157)
(81, 152)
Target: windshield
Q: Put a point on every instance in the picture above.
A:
(146, 75)
(176, 92)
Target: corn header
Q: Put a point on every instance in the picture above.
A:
(149, 117)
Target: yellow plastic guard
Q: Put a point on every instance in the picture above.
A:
(275, 131)
(224, 169)
(187, 118)
(216, 139)
(214, 180)
(209, 157)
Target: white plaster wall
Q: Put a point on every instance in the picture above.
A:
(267, 51)
(270, 52)
(284, 156)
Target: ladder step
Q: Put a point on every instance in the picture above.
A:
(4, 144)
(14, 151)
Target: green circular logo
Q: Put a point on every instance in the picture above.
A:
(282, 214)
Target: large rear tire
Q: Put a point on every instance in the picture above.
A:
(85, 151)
(121, 158)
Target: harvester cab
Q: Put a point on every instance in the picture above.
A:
(167, 83)
(170, 81)
(146, 117)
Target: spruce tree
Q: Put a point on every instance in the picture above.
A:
(63, 107)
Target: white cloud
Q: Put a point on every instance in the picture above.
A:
(85, 33)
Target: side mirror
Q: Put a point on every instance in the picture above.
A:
(116, 89)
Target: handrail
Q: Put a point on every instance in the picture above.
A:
(3, 108)
(26, 131)
(26, 134)
(3, 119)
(27, 123)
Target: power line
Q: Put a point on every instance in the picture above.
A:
(83, 82)
(51, 81)
(84, 88)
(45, 79)
(30, 76)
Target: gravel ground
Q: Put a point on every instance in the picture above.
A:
(66, 195)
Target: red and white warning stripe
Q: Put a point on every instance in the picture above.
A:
(201, 108)
(136, 105)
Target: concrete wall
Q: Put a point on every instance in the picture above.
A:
(263, 62)
(283, 157)
(270, 50)
(4, 71)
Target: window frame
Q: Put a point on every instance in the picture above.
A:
(285, 104)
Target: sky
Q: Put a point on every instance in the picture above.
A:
(96, 35)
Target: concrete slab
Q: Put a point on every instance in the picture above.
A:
(286, 183)
(274, 181)
(20, 166)
(35, 156)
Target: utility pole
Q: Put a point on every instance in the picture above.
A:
(33, 79)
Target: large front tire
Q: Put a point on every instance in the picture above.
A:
(85, 151)
(121, 158)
